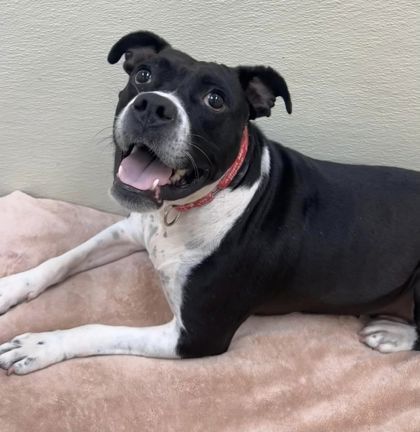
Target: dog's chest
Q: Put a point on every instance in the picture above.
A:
(195, 235)
(175, 250)
(180, 245)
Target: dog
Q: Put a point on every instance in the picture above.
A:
(234, 223)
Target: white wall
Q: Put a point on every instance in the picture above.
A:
(352, 68)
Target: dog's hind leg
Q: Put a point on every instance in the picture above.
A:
(117, 241)
(389, 334)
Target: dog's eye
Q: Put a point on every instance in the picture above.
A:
(214, 100)
(143, 76)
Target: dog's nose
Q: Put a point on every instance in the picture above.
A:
(154, 109)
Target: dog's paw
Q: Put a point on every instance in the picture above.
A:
(388, 336)
(17, 288)
(31, 351)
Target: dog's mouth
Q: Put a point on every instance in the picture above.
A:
(142, 171)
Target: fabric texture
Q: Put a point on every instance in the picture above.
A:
(284, 373)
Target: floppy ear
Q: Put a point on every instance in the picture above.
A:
(262, 85)
(139, 39)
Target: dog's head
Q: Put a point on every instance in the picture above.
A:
(179, 121)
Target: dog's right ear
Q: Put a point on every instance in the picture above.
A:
(139, 39)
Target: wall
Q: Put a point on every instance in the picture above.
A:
(352, 69)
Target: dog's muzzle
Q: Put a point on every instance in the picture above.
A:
(156, 164)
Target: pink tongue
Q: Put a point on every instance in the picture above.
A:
(140, 170)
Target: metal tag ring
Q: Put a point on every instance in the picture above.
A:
(166, 220)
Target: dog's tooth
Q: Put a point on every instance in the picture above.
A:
(157, 194)
(177, 175)
(155, 184)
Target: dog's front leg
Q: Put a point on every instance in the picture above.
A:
(117, 241)
(32, 351)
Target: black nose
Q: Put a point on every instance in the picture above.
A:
(154, 110)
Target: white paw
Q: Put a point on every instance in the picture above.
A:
(17, 288)
(387, 336)
(31, 351)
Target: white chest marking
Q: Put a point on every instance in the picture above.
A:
(175, 250)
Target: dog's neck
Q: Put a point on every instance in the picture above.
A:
(255, 166)
(207, 194)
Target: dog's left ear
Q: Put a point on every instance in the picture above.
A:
(135, 40)
(262, 85)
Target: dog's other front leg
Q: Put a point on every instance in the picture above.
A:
(117, 241)
(32, 351)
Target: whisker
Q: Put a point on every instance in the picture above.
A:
(97, 133)
(193, 164)
(203, 138)
(204, 153)
(108, 140)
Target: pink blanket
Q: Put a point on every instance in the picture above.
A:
(287, 373)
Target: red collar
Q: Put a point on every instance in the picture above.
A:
(225, 181)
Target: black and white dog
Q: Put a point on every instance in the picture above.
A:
(235, 224)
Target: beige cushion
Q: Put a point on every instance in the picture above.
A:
(286, 373)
